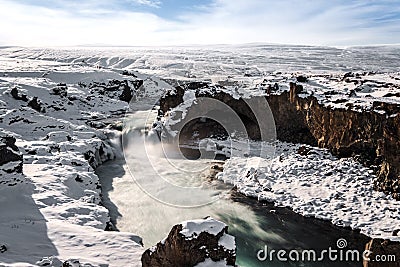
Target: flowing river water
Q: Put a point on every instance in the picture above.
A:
(255, 225)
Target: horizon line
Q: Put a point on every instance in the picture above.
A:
(202, 45)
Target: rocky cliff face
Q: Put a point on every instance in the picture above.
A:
(191, 243)
(209, 127)
(372, 137)
(10, 157)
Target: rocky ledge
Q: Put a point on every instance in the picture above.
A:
(194, 243)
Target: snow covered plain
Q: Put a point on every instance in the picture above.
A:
(55, 211)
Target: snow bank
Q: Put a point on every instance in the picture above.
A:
(317, 184)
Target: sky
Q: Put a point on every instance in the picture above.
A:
(190, 22)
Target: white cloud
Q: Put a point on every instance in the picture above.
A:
(338, 22)
(224, 21)
(38, 26)
(151, 3)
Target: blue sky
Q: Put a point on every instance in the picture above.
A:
(168, 9)
(180, 22)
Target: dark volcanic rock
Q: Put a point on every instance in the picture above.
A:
(175, 97)
(36, 105)
(301, 79)
(348, 75)
(123, 90)
(127, 73)
(60, 90)
(9, 153)
(71, 263)
(126, 94)
(15, 94)
(210, 127)
(294, 91)
(191, 243)
(352, 93)
(304, 150)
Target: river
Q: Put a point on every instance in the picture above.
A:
(137, 203)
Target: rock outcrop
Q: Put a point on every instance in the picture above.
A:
(11, 163)
(123, 90)
(17, 96)
(10, 157)
(191, 243)
(61, 90)
(36, 104)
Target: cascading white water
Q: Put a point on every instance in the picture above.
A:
(134, 210)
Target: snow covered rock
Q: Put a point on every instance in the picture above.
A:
(202, 242)
(371, 137)
(61, 89)
(173, 98)
(58, 136)
(123, 90)
(50, 261)
(51, 215)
